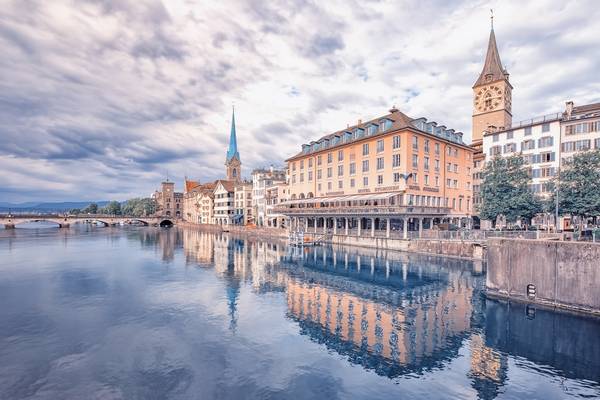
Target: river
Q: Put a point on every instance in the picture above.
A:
(149, 313)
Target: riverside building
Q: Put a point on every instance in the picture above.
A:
(386, 176)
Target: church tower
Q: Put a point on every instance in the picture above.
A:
(492, 93)
(232, 161)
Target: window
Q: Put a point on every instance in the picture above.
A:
(365, 149)
(426, 180)
(426, 146)
(437, 149)
(597, 143)
(449, 167)
(396, 160)
(341, 155)
(319, 174)
(456, 168)
(547, 157)
(545, 127)
(293, 178)
(415, 178)
(301, 164)
(437, 181)
(380, 163)
(329, 186)
(302, 177)
(510, 134)
(352, 168)
(578, 145)
(396, 142)
(415, 143)
(380, 145)
(527, 131)
(293, 166)
(319, 187)
(365, 181)
(454, 183)
(415, 161)
(495, 137)
(372, 129)
(385, 125)
(340, 184)
(584, 127)
(319, 160)
(365, 166)
(437, 165)
(448, 182)
(426, 163)
(546, 141)
(352, 183)
(527, 145)
(310, 175)
(329, 158)
(396, 177)
(380, 179)
(329, 172)
(340, 170)
(510, 148)
(310, 163)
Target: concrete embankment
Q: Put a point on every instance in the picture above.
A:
(563, 275)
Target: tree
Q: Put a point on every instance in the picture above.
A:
(505, 191)
(75, 211)
(112, 208)
(92, 208)
(579, 185)
(139, 207)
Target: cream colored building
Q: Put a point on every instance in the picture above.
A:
(168, 202)
(224, 206)
(243, 203)
(274, 195)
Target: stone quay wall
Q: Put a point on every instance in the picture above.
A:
(553, 274)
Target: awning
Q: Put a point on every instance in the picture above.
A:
(351, 197)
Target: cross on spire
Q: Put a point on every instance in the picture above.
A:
(492, 17)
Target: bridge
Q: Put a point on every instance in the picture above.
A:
(64, 221)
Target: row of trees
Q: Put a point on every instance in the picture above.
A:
(137, 207)
(505, 189)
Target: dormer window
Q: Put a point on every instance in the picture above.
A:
(372, 129)
(359, 132)
(385, 124)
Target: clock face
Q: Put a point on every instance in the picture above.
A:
(489, 98)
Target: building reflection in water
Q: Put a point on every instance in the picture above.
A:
(397, 313)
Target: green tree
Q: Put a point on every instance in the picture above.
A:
(579, 185)
(112, 208)
(75, 211)
(139, 207)
(505, 191)
(92, 208)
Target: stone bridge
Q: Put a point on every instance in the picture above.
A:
(64, 221)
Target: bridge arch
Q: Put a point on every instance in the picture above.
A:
(166, 223)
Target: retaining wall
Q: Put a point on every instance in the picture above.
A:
(563, 274)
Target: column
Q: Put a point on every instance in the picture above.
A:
(316, 222)
(359, 226)
(334, 225)
(420, 227)
(346, 227)
(387, 228)
(405, 228)
(372, 227)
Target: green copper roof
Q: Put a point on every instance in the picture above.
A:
(232, 151)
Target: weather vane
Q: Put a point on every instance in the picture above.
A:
(492, 17)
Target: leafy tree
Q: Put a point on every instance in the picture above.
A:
(112, 208)
(579, 185)
(505, 191)
(92, 208)
(139, 207)
(75, 211)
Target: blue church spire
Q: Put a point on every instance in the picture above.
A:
(232, 151)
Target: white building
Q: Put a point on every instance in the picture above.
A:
(537, 140)
(224, 207)
(261, 179)
(243, 203)
(580, 129)
(274, 195)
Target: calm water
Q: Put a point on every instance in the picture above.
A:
(145, 313)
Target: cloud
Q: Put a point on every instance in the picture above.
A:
(105, 98)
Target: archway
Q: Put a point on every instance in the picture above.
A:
(166, 223)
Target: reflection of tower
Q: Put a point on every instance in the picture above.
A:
(232, 283)
(488, 369)
(232, 161)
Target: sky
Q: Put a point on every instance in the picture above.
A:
(103, 100)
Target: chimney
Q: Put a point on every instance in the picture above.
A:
(569, 109)
(359, 121)
(393, 109)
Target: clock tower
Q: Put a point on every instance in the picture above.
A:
(492, 94)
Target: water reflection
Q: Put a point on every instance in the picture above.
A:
(342, 322)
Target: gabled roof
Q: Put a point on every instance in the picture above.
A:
(189, 185)
(586, 108)
(492, 65)
(227, 185)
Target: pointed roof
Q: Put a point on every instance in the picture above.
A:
(232, 151)
(189, 185)
(492, 65)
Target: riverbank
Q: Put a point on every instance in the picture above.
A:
(456, 248)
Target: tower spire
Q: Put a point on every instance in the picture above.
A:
(492, 67)
(232, 150)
